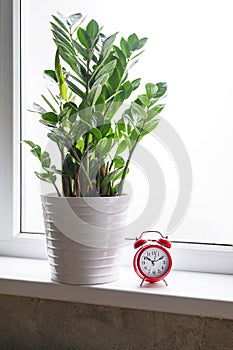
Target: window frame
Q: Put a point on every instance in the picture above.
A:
(189, 257)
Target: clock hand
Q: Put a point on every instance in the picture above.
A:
(159, 258)
(149, 259)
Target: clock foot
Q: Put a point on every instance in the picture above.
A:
(165, 282)
(142, 282)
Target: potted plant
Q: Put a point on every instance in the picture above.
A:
(96, 138)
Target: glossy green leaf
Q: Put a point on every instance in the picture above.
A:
(151, 90)
(139, 110)
(107, 69)
(103, 147)
(92, 28)
(118, 162)
(133, 42)
(135, 83)
(105, 129)
(43, 176)
(50, 75)
(61, 24)
(110, 177)
(94, 94)
(75, 89)
(162, 88)
(115, 79)
(121, 147)
(149, 126)
(96, 133)
(145, 100)
(141, 43)
(84, 38)
(125, 47)
(36, 149)
(120, 54)
(50, 117)
(45, 160)
(155, 111)
(38, 108)
(60, 77)
(73, 19)
(61, 31)
(107, 47)
(49, 104)
(101, 80)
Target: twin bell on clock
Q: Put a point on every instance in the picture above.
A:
(152, 261)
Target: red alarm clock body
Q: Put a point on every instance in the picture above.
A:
(152, 262)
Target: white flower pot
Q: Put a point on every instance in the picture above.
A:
(84, 237)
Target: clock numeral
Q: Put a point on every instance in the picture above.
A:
(148, 253)
(159, 271)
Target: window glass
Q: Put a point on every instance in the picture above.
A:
(190, 48)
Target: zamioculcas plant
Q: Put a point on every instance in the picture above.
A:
(83, 117)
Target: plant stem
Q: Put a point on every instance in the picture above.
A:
(122, 182)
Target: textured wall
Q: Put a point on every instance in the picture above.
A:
(27, 323)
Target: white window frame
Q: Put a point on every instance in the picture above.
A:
(189, 257)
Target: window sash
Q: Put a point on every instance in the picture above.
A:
(192, 257)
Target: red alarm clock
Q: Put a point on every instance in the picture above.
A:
(152, 262)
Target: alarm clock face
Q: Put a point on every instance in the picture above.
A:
(154, 262)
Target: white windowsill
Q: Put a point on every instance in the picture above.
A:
(191, 293)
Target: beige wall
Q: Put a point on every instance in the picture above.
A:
(29, 323)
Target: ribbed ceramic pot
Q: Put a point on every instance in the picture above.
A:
(84, 237)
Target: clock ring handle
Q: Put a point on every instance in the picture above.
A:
(144, 232)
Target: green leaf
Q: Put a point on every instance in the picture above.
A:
(155, 111)
(151, 90)
(105, 129)
(111, 176)
(133, 42)
(149, 126)
(107, 47)
(75, 89)
(59, 30)
(103, 147)
(45, 160)
(107, 68)
(50, 117)
(50, 75)
(162, 88)
(118, 162)
(135, 83)
(49, 104)
(128, 141)
(120, 54)
(125, 47)
(101, 80)
(60, 40)
(84, 38)
(145, 100)
(61, 24)
(71, 20)
(141, 43)
(96, 133)
(121, 147)
(115, 79)
(92, 28)
(94, 94)
(43, 176)
(36, 149)
(39, 108)
(139, 110)
(60, 77)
